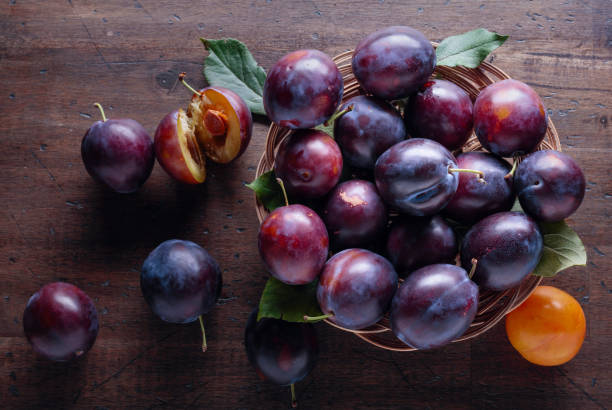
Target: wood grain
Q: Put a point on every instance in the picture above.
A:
(58, 57)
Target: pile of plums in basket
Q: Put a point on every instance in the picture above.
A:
(381, 192)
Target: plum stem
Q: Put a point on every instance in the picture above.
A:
(101, 111)
(316, 318)
(282, 185)
(474, 263)
(293, 399)
(513, 170)
(204, 345)
(481, 174)
(181, 78)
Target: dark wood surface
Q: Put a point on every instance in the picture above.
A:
(58, 57)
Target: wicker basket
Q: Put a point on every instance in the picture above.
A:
(492, 306)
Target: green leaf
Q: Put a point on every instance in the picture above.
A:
(328, 126)
(230, 64)
(268, 191)
(288, 302)
(562, 249)
(468, 49)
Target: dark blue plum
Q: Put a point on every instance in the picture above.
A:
(414, 176)
(416, 242)
(507, 247)
(281, 352)
(433, 306)
(356, 287)
(180, 281)
(550, 185)
(365, 132)
(60, 321)
(475, 200)
(393, 62)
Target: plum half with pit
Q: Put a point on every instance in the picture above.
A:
(356, 288)
(302, 89)
(414, 242)
(309, 162)
(60, 321)
(433, 306)
(118, 153)
(441, 111)
(506, 247)
(393, 62)
(550, 185)
(180, 282)
(293, 244)
(509, 118)
(475, 200)
(416, 176)
(368, 130)
(355, 215)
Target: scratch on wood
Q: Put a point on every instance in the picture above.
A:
(43, 166)
(89, 34)
(576, 385)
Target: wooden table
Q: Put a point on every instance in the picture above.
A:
(58, 57)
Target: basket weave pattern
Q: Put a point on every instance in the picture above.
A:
(492, 306)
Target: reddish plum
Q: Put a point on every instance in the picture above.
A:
(433, 306)
(309, 162)
(507, 247)
(393, 62)
(356, 288)
(118, 153)
(441, 111)
(550, 185)
(416, 242)
(475, 200)
(509, 118)
(365, 132)
(60, 321)
(293, 244)
(355, 215)
(303, 89)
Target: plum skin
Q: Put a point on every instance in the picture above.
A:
(433, 306)
(60, 321)
(302, 89)
(509, 118)
(474, 200)
(293, 244)
(441, 111)
(356, 287)
(354, 214)
(365, 132)
(180, 281)
(118, 153)
(507, 247)
(550, 185)
(413, 176)
(393, 62)
(309, 162)
(281, 352)
(416, 242)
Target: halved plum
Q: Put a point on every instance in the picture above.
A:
(177, 149)
(223, 123)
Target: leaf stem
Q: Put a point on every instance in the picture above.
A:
(101, 111)
(316, 318)
(282, 185)
(204, 345)
(337, 115)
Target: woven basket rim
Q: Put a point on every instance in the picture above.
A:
(492, 306)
